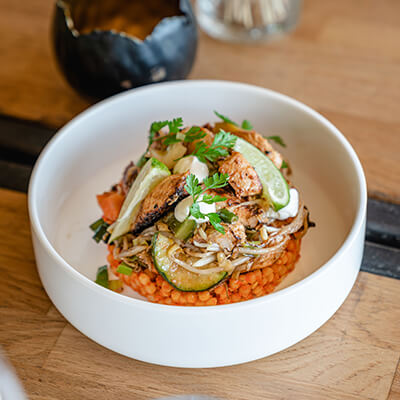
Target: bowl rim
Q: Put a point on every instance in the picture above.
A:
(37, 229)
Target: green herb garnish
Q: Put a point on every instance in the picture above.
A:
(277, 139)
(124, 269)
(96, 224)
(99, 228)
(224, 118)
(194, 133)
(155, 128)
(222, 141)
(142, 160)
(173, 126)
(102, 276)
(116, 285)
(247, 125)
(227, 216)
(194, 188)
(284, 164)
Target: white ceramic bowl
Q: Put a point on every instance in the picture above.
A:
(88, 155)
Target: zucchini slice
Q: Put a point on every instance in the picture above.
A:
(177, 276)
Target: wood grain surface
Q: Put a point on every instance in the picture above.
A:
(343, 60)
(353, 356)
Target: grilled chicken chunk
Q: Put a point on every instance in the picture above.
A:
(208, 139)
(248, 214)
(262, 144)
(242, 176)
(160, 200)
(234, 235)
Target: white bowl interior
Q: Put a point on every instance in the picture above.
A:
(90, 154)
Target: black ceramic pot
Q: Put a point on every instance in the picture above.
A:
(100, 63)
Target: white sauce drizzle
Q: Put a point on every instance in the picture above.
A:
(193, 165)
(182, 209)
(288, 211)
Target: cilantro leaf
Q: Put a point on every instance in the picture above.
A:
(247, 125)
(216, 181)
(225, 119)
(207, 198)
(195, 211)
(224, 139)
(155, 127)
(170, 139)
(284, 164)
(277, 139)
(215, 221)
(175, 125)
(194, 133)
(192, 186)
(200, 151)
(196, 190)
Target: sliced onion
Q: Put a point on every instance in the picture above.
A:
(198, 244)
(196, 270)
(271, 229)
(172, 250)
(264, 250)
(264, 233)
(132, 251)
(213, 247)
(204, 261)
(202, 234)
(198, 254)
(240, 261)
(296, 224)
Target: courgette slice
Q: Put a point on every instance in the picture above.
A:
(152, 173)
(177, 276)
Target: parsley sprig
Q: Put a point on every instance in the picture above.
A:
(174, 127)
(219, 147)
(278, 140)
(248, 126)
(245, 124)
(197, 191)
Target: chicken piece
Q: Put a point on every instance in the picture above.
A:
(234, 234)
(262, 144)
(160, 200)
(242, 176)
(248, 215)
(208, 139)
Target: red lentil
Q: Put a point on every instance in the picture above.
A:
(249, 285)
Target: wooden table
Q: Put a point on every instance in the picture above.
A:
(344, 60)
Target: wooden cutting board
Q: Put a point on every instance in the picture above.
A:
(355, 355)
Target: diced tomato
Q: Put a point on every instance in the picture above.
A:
(110, 203)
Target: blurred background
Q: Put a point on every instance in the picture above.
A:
(57, 58)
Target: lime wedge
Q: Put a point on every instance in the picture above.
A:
(152, 173)
(275, 187)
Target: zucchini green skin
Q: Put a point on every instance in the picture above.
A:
(178, 277)
(182, 230)
(102, 63)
